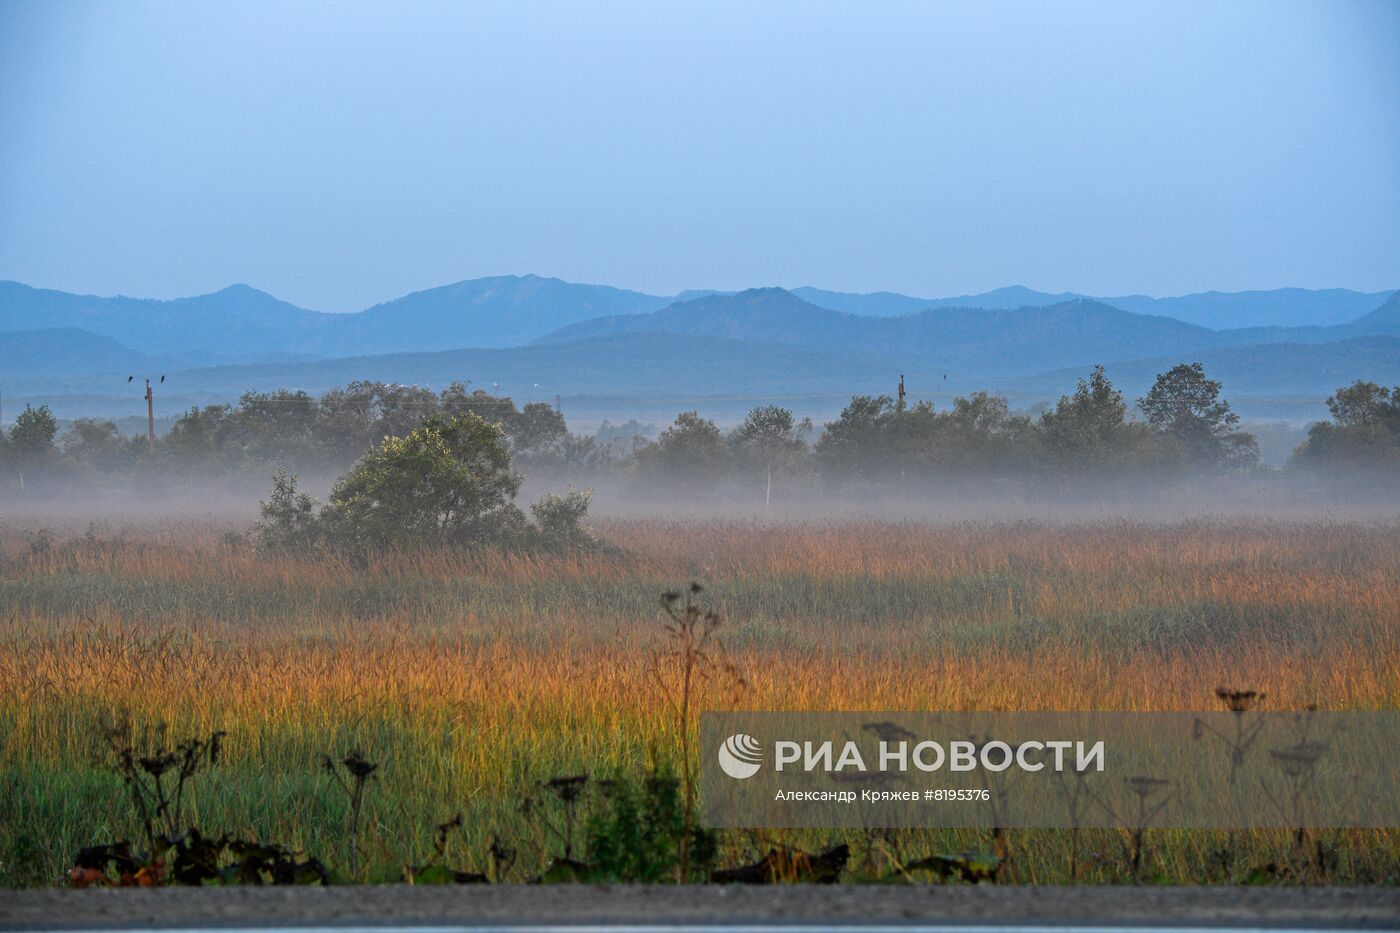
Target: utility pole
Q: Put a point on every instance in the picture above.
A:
(150, 415)
(899, 406)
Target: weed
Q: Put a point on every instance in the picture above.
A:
(352, 774)
(693, 651)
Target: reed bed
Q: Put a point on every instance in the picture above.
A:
(472, 677)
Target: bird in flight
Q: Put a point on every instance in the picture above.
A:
(129, 378)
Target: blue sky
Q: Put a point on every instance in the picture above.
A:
(341, 154)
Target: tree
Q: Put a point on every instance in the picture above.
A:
(351, 420)
(859, 443)
(1364, 434)
(691, 451)
(1089, 430)
(770, 441)
(95, 443)
(33, 432)
(1187, 413)
(456, 400)
(198, 435)
(536, 431)
(444, 483)
(274, 427)
(1366, 405)
(980, 434)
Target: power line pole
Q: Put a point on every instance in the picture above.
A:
(899, 406)
(150, 415)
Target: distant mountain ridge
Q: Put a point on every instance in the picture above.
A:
(236, 321)
(500, 311)
(974, 341)
(1281, 307)
(48, 353)
(243, 323)
(597, 339)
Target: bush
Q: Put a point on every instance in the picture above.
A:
(444, 483)
(559, 519)
(447, 483)
(289, 521)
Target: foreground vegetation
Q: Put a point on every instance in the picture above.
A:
(475, 682)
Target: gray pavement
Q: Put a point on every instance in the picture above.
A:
(443, 909)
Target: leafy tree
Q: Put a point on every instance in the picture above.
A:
(455, 400)
(859, 443)
(770, 442)
(95, 443)
(1364, 433)
(1366, 405)
(576, 456)
(33, 432)
(692, 451)
(981, 434)
(1186, 411)
(447, 482)
(1089, 430)
(536, 431)
(351, 420)
(874, 440)
(274, 427)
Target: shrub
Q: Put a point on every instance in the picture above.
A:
(289, 521)
(559, 519)
(447, 483)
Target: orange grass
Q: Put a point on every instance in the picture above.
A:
(470, 676)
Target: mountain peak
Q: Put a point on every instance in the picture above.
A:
(1389, 311)
(243, 292)
(767, 291)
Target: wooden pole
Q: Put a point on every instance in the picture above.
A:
(150, 415)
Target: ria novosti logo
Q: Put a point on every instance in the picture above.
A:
(740, 756)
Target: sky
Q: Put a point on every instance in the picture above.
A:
(337, 155)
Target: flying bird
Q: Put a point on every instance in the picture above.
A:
(162, 378)
(129, 378)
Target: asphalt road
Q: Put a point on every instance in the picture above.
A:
(733, 908)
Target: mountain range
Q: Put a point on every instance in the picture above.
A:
(538, 337)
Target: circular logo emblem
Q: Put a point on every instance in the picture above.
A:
(740, 756)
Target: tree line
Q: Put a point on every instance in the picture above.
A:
(1182, 425)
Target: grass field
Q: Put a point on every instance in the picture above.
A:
(471, 679)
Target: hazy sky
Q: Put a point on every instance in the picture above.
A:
(337, 155)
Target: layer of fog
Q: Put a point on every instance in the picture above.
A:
(72, 509)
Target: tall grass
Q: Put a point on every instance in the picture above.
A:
(468, 678)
